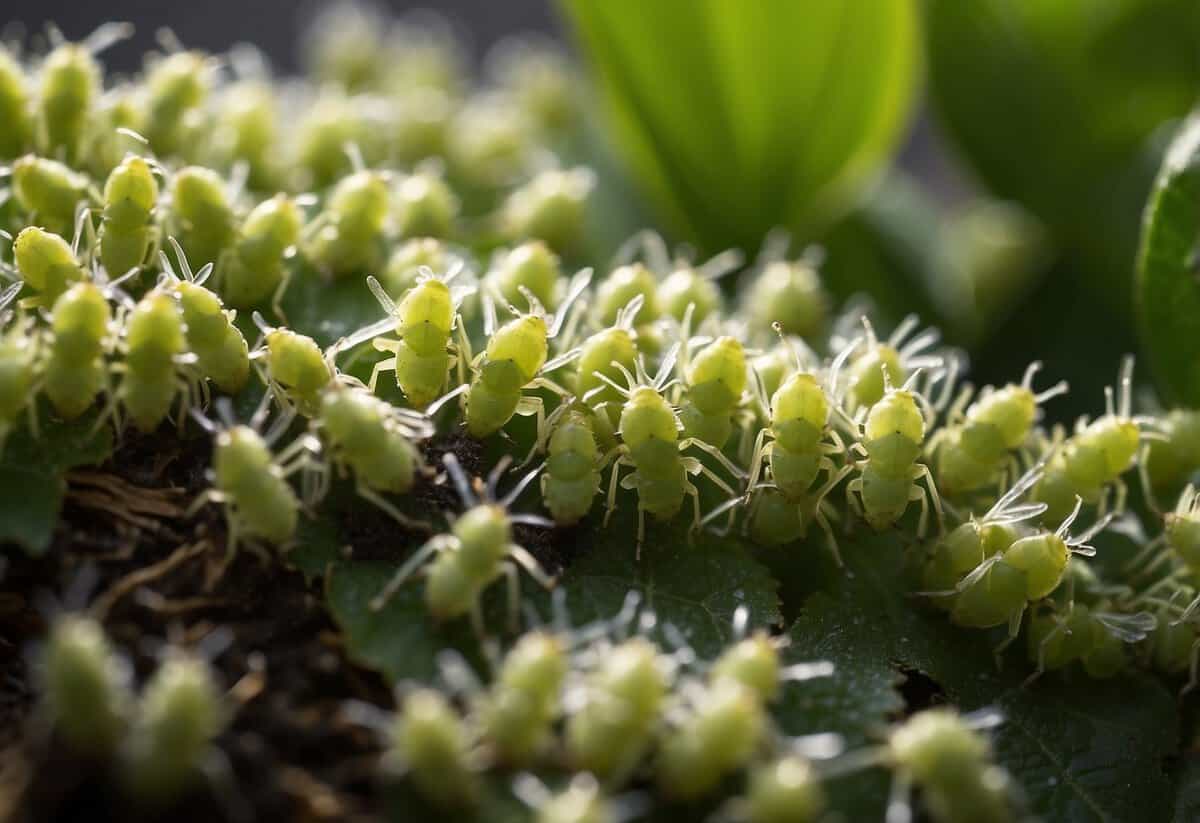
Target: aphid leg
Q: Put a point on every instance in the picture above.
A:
(757, 458)
(387, 364)
(277, 295)
(855, 503)
(715, 453)
(201, 500)
(1059, 628)
(921, 470)
(1014, 629)
(819, 515)
(1151, 549)
(823, 522)
(530, 564)
(899, 809)
(693, 466)
(1193, 669)
(404, 520)
(1122, 492)
(410, 566)
(611, 501)
(535, 406)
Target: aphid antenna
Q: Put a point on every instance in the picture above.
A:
(462, 483)
(1006, 512)
(168, 40)
(578, 285)
(1188, 611)
(367, 715)
(202, 421)
(627, 314)
(647, 244)
(8, 295)
(984, 719)
(721, 264)
(821, 746)
(775, 247)
(457, 674)
(354, 153)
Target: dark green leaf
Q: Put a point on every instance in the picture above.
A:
(1054, 104)
(32, 472)
(1169, 270)
(1081, 750)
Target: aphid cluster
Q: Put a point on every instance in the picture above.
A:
(161, 738)
(159, 226)
(616, 709)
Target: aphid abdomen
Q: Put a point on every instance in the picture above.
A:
(994, 599)
(296, 362)
(202, 217)
(70, 81)
(867, 385)
(449, 590)
(885, 497)
(660, 477)
(74, 370)
(431, 740)
(263, 503)
(1171, 460)
(532, 266)
(130, 194)
(524, 342)
(176, 85)
(774, 519)
(966, 463)
(14, 107)
(1043, 558)
(612, 728)
(50, 190)
(794, 472)
(597, 355)
(1117, 439)
(221, 351)
(959, 552)
(154, 337)
(518, 712)
(255, 270)
(720, 736)
(16, 379)
(421, 377)
(382, 457)
(493, 397)
(86, 688)
(571, 480)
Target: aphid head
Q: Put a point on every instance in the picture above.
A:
(890, 361)
(897, 412)
(133, 181)
(1014, 409)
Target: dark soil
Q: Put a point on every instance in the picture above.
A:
(126, 550)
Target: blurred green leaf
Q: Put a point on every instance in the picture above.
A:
(32, 477)
(1169, 270)
(1053, 104)
(737, 117)
(1081, 751)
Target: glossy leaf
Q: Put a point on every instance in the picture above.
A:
(1169, 270)
(736, 117)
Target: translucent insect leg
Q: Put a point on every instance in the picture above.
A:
(715, 453)
(1193, 669)
(611, 500)
(761, 451)
(931, 490)
(899, 808)
(530, 564)
(377, 499)
(1014, 629)
(410, 566)
(1060, 627)
(830, 538)
(1152, 551)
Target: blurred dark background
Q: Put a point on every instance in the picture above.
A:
(275, 26)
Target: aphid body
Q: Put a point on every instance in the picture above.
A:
(460, 565)
(432, 744)
(73, 369)
(219, 346)
(201, 215)
(295, 363)
(86, 685)
(47, 264)
(571, 480)
(127, 228)
(155, 341)
(48, 192)
(517, 713)
(255, 268)
(892, 437)
(972, 450)
(348, 235)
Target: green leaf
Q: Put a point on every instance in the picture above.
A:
(694, 586)
(736, 117)
(32, 477)
(1081, 750)
(1054, 105)
(1169, 270)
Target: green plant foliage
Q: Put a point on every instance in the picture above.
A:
(33, 481)
(1054, 105)
(710, 128)
(1080, 750)
(1169, 270)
